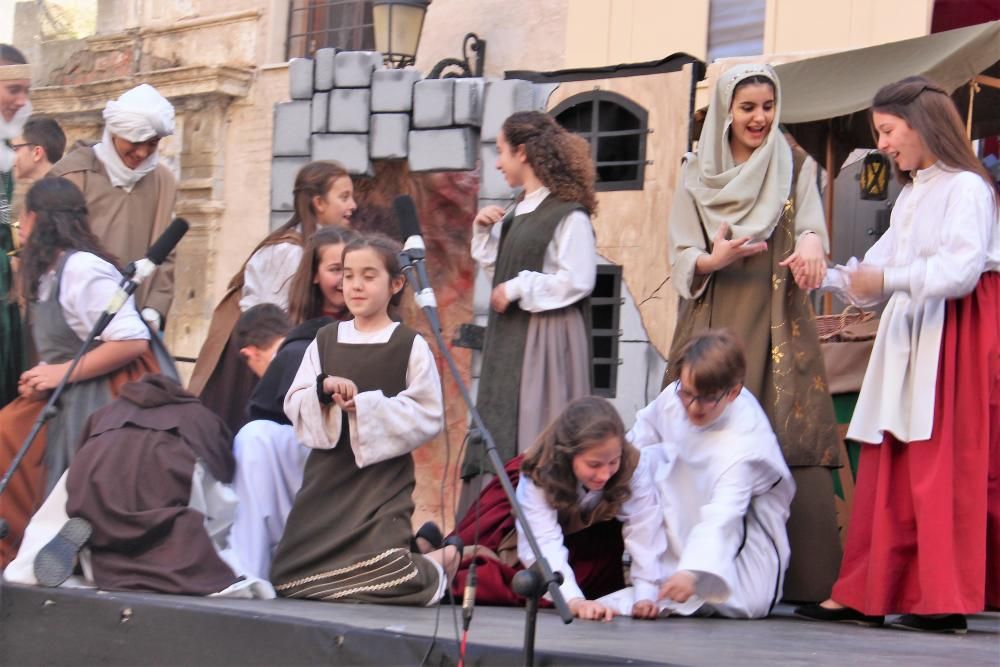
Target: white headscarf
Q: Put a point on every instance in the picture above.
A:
(749, 196)
(138, 115)
(9, 130)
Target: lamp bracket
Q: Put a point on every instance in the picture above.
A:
(472, 45)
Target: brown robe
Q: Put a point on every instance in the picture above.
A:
(127, 223)
(132, 478)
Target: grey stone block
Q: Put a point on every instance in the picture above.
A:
(389, 136)
(492, 184)
(283, 172)
(504, 97)
(543, 91)
(392, 89)
(451, 149)
(300, 78)
(278, 218)
(320, 112)
(351, 150)
(291, 128)
(353, 69)
(349, 109)
(323, 76)
(433, 103)
(469, 101)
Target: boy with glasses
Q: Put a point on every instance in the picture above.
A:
(39, 146)
(723, 487)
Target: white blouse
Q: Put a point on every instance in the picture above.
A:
(642, 529)
(383, 427)
(943, 235)
(569, 268)
(268, 275)
(89, 283)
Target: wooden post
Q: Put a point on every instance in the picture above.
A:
(973, 89)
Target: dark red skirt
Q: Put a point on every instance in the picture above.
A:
(595, 553)
(924, 536)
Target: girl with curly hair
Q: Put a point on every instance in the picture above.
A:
(68, 279)
(587, 498)
(542, 260)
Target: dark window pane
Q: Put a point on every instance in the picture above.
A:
(616, 174)
(603, 346)
(602, 377)
(618, 148)
(604, 317)
(613, 117)
(345, 24)
(604, 286)
(577, 118)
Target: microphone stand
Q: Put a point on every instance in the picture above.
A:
(50, 410)
(535, 581)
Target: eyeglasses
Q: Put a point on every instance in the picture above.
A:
(16, 146)
(687, 398)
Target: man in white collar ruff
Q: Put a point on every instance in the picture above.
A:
(15, 82)
(130, 195)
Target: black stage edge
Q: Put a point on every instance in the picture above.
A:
(64, 626)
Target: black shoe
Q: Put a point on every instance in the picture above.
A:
(817, 612)
(950, 623)
(56, 560)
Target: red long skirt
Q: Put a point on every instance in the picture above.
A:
(595, 553)
(925, 529)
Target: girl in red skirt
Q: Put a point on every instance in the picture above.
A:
(924, 538)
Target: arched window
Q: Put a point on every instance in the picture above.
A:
(616, 128)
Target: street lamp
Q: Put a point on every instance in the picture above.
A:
(397, 27)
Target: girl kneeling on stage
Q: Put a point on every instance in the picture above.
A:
(366, 395)
(583, 490)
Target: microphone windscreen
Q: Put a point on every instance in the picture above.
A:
(168, 241)
(406, 216)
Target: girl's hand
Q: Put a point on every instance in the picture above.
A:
(808, 262)
(340, 387)
(590, 610)
(43, 377)
(726, 251)
(498, 299)
(489, 216)
(645, 609)
(866, 284)
(679, 587)
(346, 406)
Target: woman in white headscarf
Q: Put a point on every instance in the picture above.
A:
(747, 242)
(130, 194)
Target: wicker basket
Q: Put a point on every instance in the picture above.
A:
(828, 327)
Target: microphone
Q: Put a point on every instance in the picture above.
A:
(413, 254)
(469, 596)
(137, 272)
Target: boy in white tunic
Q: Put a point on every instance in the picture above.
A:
(723, 486)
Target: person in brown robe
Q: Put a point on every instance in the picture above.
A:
(130, 194)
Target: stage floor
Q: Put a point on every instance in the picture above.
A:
(62, 626)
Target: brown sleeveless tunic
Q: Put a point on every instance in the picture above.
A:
(348, 535)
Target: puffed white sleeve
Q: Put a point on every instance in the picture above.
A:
(645, 431)
(384, 427)
(544, 522)
(643, 532)
(316, 425)
(485, 245)
(952, 271)
(712, 542)
(89, 284)
(268, 274)
(575, 251)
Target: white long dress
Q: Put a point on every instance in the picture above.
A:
(724, 492)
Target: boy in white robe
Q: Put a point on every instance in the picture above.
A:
(723, 487)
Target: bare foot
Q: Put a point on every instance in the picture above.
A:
(830, 604)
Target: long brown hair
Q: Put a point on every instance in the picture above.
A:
(560, 159)
(585, 422)
(305, 300)
(60, 225)
(927, 108)
(313, 180)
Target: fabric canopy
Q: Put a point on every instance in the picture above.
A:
(833, 92)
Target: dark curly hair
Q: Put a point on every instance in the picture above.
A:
(560, 159)
(60, 224)
(585, 422)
